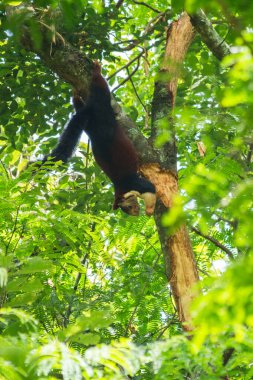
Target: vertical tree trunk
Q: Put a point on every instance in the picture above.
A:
(180, 264)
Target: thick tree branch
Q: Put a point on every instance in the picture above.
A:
(60, 56)
(210, 37)
(75, 68)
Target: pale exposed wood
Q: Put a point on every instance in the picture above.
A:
(180, 264)
(184, 274)
(165, 182)
(179, 38)
(183, 269)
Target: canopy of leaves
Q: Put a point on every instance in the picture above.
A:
(83, 292)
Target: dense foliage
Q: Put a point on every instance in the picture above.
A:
(83, 291)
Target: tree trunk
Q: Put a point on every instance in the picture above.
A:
(180, 264)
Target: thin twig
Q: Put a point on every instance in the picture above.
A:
(203, 271)
(146, 5)
(129, 63)
(13, 230)
(132, 316)
(126, 79)
(20, 236)
(134, 88)
(214, 241)
(232, 223)
(159, 253)
(167, 326)
(152, 23)
(136, 42)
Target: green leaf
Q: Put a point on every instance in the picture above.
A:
(86, 339)
(13, 3)
(36, 264)
(21, 300)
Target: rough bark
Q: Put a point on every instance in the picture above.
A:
(180, 264)
(75, 68)
(210, 37)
